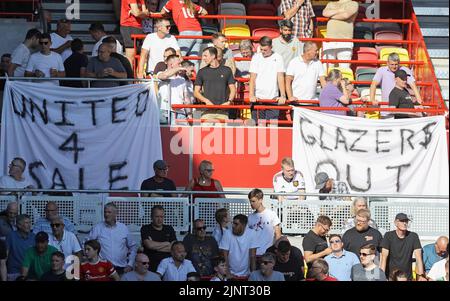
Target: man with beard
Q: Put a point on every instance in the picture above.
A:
(362, 234)
(286, 45)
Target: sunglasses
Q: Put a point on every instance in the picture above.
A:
(209, 170)
(265, 262)
(201, 228)
(364, 254)
(44, 43)
(55, 225)
(335, 241)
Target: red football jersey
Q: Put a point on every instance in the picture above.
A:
(183, 18)
(100, 271)
(126, 19)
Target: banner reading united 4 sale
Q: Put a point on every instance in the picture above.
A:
(401, 156)
(75, 138)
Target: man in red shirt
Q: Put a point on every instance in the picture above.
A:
(132, 11)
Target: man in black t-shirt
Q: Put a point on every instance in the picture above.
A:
(399, 96)
(157, 238)
(289, 260)
(315, 243)
(399, 246)
(362, 234)
(75, 65)
(159, 181)
(214, 85)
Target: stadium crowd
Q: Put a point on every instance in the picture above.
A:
(280, 70)
(240, 247)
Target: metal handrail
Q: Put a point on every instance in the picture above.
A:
(191, 192)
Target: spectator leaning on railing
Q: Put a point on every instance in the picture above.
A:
(105, 66)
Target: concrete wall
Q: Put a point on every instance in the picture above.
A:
(13, 33)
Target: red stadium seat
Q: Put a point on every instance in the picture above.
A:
(266, 7)
(387, 35)
(261, 12)
(256, 24)
(366, 53)
(270, 32)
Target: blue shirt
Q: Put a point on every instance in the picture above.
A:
(341, 267)
(430, 257)
(43, 224)
(17, 246)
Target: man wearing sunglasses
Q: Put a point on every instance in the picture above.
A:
(141, 272)
(15, 177)
(340, 261)
(45, 63)
(201, 248)
(65, 241)
(159, 181)
(367, 270)
(155, 44)
(399, 246)
(266, 272)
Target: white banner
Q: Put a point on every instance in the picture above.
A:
(404, 156)
(103, 138)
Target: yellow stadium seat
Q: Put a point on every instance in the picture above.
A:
(322, 31)
(240, 30)
(346, 72)
(402, 53)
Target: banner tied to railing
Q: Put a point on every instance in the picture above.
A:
(73, 138)
(404, 156)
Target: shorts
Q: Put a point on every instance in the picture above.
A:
(126, 32)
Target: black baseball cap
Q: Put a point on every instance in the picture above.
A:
(401, 74)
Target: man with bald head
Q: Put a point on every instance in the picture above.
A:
(44, 224)
(141, 272)
(15, 178)
(435, 252)
(8, 220)
(105, 66)
(65, 241)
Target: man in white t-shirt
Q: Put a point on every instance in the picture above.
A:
(61, 39)
(21, 55)
(289, 180)
(155, 44)
(302, 74)
(263, 221)
(15, 178)
(45, 63)
(97, 31)
(173, 89)
(239, 247)
(267, 79)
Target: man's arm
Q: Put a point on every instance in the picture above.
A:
(252, 259)
(383, 258)
(3, 271)
(293, 10)
(200, 97)
(61, 48)
(135, 11)
(24, 271)
(416, 92)
(302, 197)
(118, 74)
(142, 60)
(251, 88)
(323, 81)
(281, 87)
(227, 261)
(420, 271)
(277, 232)
(12, 67)
(289, 92)
(232, 94)
(157, 246)
(373, 89)
(309, 256)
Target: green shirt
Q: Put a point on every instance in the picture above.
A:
(38, 264)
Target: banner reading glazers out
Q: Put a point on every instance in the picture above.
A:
(74, 138)
(402, 156)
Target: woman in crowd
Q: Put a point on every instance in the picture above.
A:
(205, 182)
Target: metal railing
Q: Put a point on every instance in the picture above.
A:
(430, 213)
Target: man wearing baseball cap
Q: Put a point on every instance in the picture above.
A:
(159, 181)
(399, 246)
(399, 96)
(325, 184)
(37, 260)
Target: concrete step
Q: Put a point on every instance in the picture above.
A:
(84, 27)
(441, 72)
(88, 16)
(84, 6)
(438, 53)
(431, 11)
(434, 31)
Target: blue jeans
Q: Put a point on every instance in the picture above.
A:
(190, 47)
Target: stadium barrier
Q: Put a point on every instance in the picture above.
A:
(429, 214)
